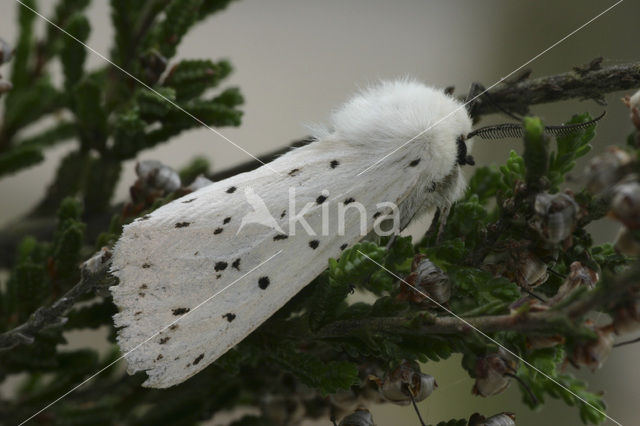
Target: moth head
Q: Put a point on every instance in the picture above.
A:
(514, 130)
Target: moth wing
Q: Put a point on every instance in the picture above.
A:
(195, 280)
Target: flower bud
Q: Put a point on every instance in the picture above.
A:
(606, 169)
(625, 204)
(428, 280)
(556, 216)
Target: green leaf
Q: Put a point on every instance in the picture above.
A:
(180, 15)
(190, 78)
(326, 377)
(569, 148)
(73, 54)
(536, 151)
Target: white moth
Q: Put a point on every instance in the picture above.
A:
(184, 252)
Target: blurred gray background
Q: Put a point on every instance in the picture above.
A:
(295, 60)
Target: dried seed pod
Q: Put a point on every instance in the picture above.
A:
(429, 280)
(6, 52)
(556, 216)
(625, 204)
(626, 243)
(531, 271)
(406, 381)
(158, 176)
(493, 373)
(500, 419)
(580, 276)
(592, 354)
(626, 318)
(606, 169)
(361, 417)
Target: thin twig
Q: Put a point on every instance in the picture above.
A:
(93, 273)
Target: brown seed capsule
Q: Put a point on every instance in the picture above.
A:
(500, 419)
(428, 280)
(625, 204)
(606, 169)
(556, 216)
(531, 271)
(361, 417)
(580, 276)
(493, 373)
(592, 354)
(406, 381)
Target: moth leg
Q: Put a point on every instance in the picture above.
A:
(444, 214)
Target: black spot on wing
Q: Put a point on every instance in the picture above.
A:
(344, 246)
(198, 359)
(314, 244)
(220, 266)
(263, 282)
(217, 231)
(280, 237)
(146, 265)
(231, 190)
(349, 200)
(164, 340)
(321, 199)
(159, 357)
(284, 212)
(236, 264)
(180, 311)
(229, 316)
(226, 220)
(376, 215)
(182, 224)
(414, 163)
(294, 172)
(189, 200)
(334, 164)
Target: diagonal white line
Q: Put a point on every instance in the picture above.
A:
(150, 337)
(492, 86)
(467, 323)
(145, 85)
